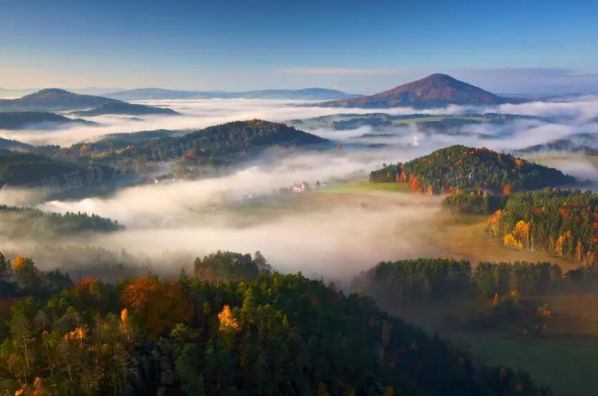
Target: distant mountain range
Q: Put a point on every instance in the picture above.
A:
(436, 90)
(39, 120)
(54, 99)
(288, 94)
(8, 93)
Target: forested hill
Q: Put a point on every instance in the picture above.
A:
(461, 167)
(559, 222)
(52, 99)
(263, 334)
(225, 144)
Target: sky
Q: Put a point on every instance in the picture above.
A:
(356, 46)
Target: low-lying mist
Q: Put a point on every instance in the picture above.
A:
(327, 234)
(201, 113)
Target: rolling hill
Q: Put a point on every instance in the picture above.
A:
(163, 94)
(123, 108)
(38, 120)
(461, 167)
(213, 147)
(54, 99)
(230, 142)
(436, 90)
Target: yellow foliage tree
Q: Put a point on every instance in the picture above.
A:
(495, 300)
(510, 241)
(227, 319)
(521, 233)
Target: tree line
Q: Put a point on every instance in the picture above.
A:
(262, 333)
(408, 281)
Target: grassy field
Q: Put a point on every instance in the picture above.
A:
(464, 237)
(365, 187)
(564, 359)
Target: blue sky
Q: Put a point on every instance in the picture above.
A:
(357, 46)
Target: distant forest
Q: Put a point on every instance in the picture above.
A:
(34, 223)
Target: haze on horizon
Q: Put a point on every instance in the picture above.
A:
(356, 48)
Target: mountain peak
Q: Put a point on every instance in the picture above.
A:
(435, 90)
(51, 91)
(439, 76)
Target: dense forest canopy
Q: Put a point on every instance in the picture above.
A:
(17, 168)
(267, 334)
(557, 221)
(461, 167)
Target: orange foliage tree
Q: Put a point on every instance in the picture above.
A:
(414, 184)
(227, 319)
(159, 304)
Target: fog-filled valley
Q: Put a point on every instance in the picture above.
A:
(462, 219)
(227, 211)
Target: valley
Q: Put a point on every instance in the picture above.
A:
(480, 236)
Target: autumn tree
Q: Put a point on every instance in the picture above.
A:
(160, 304)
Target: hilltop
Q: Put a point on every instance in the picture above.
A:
(227, 143)
(54, 99)
(123, 108)
(436, 90)
(220, 145)
(163, 94)
(461, 167)
(37, 119)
